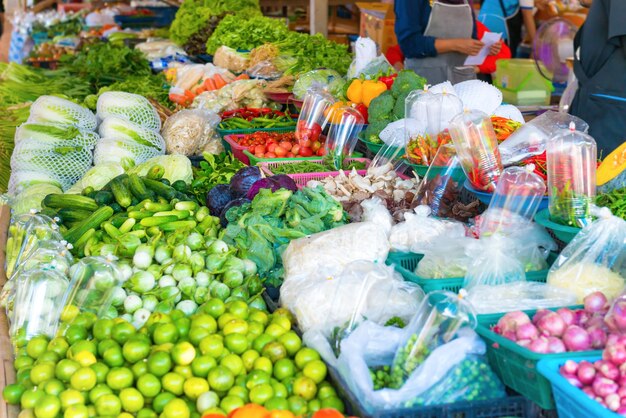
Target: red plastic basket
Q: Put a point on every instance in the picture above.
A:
(236, 149)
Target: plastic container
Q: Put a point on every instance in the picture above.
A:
(570, 401)
(572, 162)
(39, 301)
(521, 82)
(517, 366)
(312, 117)
(135, 21)
(374, 147)
(253, 160)
(442, 183)
(164, 16)
(515, 201)
(563, 232)
(437, 321)
(236, 149)
(406, 263)
(224, 132)
(477, 148)
(267, 167)
(93, 280)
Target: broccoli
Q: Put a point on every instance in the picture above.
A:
(407, 81)
(373, 130)
(398, 109)
(381, 108)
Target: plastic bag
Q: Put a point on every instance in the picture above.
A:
(364, 53)
(531, 138)
(419, 230)
(437, 321)
(494, 263)
(93, 281)
(477, 147)
(446, 258)
(515, 200)
(187, 132)
(377, 65)
(39, 301)
(595, 260)
(376, 212)
(312, 118)
(518, 296)
(265, 70)
(352, 242)
(342, 134)
(323, 79)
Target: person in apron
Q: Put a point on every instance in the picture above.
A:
(600, 67)
(506, 17)
(437, 38)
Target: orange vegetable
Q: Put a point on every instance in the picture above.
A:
(209, 84)
(249, 411)
(243, 76)
(371, 90)
(219, 81)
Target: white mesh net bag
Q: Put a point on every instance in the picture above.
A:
(132, 107)
(51, 109)
(69, 162)
(54, 134)
(24, 179)
(123, 152)
(120, 128)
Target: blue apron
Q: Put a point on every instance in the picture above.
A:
(601, 98)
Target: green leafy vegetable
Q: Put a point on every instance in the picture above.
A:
(241, 32)
(214, 170)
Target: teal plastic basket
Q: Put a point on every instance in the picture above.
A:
(571, 402)
(564, 233)
(517, 366)
(406, 263)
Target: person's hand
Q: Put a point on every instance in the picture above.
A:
(495, 48)
(468, 46)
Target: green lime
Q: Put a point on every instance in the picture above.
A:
(99, 390)
(334, 403)
(48, 406)
(70, 397)
(65, 369)
(221, 379)
(173, 383)
(297, 405)
(108, 405)
(230, 403)
(102, 329)
(119, 378)
(200, 366)
(149, 385)
(132, 400)
(183, 353)
(176, 408)
(260, 394)
(37, 346)
(162, 399)
(59, 345)
(53, 387)
(30, 398)
(122, 331)
(165, 333)
(12, 393)
(214, 307)
(159, 363)
(194, 387)
(101, 370)
(277, 404)
(41, 372)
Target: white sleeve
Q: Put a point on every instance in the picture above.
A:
(527, 4)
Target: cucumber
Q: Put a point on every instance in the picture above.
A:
(160, 189)
(103, 197)
(180, 186)
(138, 188)
(70, 201)
(73, 215)
(121, 193)
(93, 221)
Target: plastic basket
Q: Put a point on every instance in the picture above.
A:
(256, 160)
(570, 401)
(511, 406)
(564, 233)
(164, 16)
(224, 132)
(406, 263)
(517, 366)
(372, 146)
(236, 149)
(485, 197)
(269, 165)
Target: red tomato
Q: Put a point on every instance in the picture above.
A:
(270, 155)
(306, 152)
(316, 131)
(280, 151)
(321, 151)
(251, 148)
(286, 145)
(295, 149)
(259, 149)
(316, 145)
(306, 143)
(290, 155)
(260, 155)
(271, 147)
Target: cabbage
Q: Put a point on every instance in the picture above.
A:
(177, 167)
(329, 80)
(97, 177)
(32, 196)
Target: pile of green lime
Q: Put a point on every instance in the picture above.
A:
(176, 366)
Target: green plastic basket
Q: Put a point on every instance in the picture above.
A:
(564, 233)
(285, 129)
(517, 366)
(406, 263)
(372, 146)
(255, 160)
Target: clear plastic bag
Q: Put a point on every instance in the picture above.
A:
(515, 200)
(494, 263)
(442, 185)
(188, 132)
(312, 118)
(531, 138)
(519, 296)
(446, 258)
(342, 134)
(93, 281)
(369, 70)
(419, 230)
(364, 53)
(265, 70)
(477, 147)
(595, 260)
(375, 211)
(437, 321)
(572, 162)
(39, 301)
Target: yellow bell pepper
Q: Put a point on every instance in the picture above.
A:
(355, 91)
(371, 90)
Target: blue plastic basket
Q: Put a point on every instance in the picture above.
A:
(570, 401)
(486, 197)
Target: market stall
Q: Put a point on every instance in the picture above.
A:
(224, 217)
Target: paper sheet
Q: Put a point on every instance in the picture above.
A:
(489, 38)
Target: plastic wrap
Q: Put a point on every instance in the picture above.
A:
(188, 132)
(369, 69)
(342, 136)
(595, 260)
(531, 138)
(312, 118)
(442, 185)
(446, 258)
(376, 212)
(39, 301)
(572, 163)
(437, 321)
(419, 230)
(477, 148)
(93, 281)
(364, 53)
(519, 296)
(515, 200)
(494, 263)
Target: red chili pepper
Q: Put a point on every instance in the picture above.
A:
(388, 80)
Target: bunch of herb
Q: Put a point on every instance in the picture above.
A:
(214, 170)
